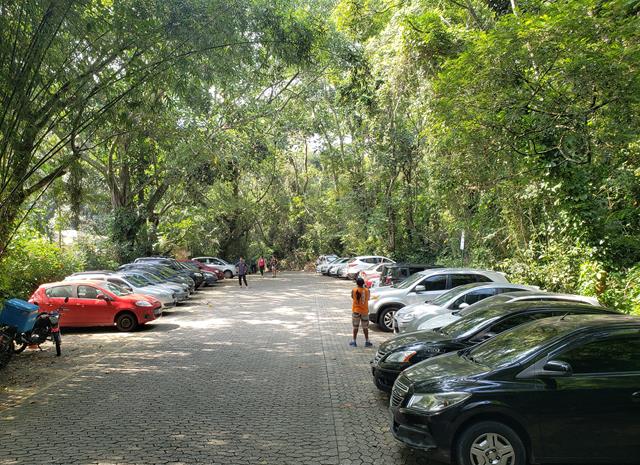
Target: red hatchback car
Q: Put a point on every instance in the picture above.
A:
(97, 303)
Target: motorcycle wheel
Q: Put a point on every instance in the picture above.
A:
(57, 341)
(6, 350)
(20, 349)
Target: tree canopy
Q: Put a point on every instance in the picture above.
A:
(302, 127)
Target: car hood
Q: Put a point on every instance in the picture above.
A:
(446, 369)
(411, 338)
(420, 309)
(430, 323)
(388, 292)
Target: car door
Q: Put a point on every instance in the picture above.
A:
(55, 300)
(593, 413)
(427, 289)
(94, 311)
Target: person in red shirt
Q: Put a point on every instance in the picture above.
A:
(261, 264)
(360, 312)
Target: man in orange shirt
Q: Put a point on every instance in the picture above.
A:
(360, 312)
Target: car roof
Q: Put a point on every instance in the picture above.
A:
(80, 273)
(461, 271)
(72, 282)
(587, 323)
(411, 265)
(550, 296)
(510, 308)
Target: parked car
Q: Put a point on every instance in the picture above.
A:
(227, 268)
(357, 264)
(97, 303)
(172, 263)
(324, 267)
(394, 273)
(323, 260)
(457, 298)
(399, 353)
(429, 322)
(129, 283)
(333, 268)
(181, 290)
(371, 274)
(208, 278)
(163, 272)
(420, 287)
(219, 274)
(556, 390)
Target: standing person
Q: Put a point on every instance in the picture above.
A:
(360, 312)
(274, 266)
(242, 272)
(261, 264)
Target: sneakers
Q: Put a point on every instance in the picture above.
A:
(353, 344)
(368, 344)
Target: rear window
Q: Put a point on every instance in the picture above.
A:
(59, 291)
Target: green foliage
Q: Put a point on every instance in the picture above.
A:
(33, 260)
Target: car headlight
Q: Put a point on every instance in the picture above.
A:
(143, 303)
(406, 317)
(436, 402)
(402, 356)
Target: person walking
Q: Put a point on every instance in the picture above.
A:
(242, 272)
(274, 266)
(261, 264)
(360, 312)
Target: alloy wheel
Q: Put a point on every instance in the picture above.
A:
(492, 449)
(387, 319)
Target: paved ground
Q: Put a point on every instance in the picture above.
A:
(241, 376)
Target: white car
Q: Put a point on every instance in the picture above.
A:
(420, 287)
(456, 299)
(323, 260)
(357, 264)
(227, 268)
(131, 284)
(430, 323)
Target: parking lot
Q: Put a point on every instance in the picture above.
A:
(238, 376)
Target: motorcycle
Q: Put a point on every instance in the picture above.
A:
(46, 326)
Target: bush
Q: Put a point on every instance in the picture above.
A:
(33, 260)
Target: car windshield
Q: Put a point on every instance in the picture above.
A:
(470, 323)
(136, 281)
(410, 281)
(516, 344)
(452, 294)
(151, 277)
(117, 290)
(141, 278)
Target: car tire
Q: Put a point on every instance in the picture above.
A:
(490, 442)
(382, 387)
(385, 319)
(228, 274)
(126, 321)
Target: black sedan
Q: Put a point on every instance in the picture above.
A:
(557, 390)
(401, 352)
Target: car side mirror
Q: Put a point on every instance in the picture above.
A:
(101, 297)
(66, 299)
(556, 368)
(463, 305)
(420, 288)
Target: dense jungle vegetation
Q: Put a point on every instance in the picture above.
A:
(301, 127)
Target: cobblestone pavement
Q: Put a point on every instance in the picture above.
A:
(261, 375)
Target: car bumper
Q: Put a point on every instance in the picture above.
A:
(422, 432)
(210, 281)
(384, 378)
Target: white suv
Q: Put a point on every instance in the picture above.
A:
(357, 264)
(228, 269)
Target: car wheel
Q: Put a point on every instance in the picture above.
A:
(126, 322)
(490, 443)
(385, 320)
(228, 274)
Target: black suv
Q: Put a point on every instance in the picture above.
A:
(557, 390)
(401, 352)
